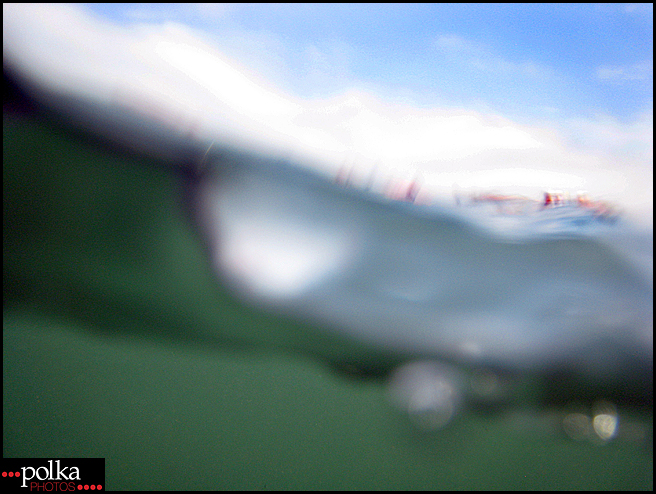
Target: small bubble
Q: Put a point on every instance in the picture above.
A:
(605, 426)
(484, 383)
(429, 392)
(577, 426)
(605, 422)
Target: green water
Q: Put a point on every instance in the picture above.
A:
(118, 343)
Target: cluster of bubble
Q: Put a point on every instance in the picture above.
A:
(431, 394)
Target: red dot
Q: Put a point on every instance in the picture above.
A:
(11, 474)
(92, 487)
(17, 474)
(86, 487)
(99, 487)
(4, 474)
(79, 487)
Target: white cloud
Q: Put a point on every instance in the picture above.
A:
(176, 68)
(641, 71)
(482, 58)
(176, 12)
(626, 149)
(639, 8)
(605, 135)
(326, 66)
(457, 43)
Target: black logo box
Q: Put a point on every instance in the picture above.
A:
(79, 471)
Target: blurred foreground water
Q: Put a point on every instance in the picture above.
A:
(115, 327)
(550, 291)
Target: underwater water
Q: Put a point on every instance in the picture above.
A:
(202, 354)
(118, 324)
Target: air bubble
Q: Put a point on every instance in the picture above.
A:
(428, 392)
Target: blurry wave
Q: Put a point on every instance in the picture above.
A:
(440, 279)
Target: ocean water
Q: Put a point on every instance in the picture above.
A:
(447, 280)
(456, 289)
(452, 290)
(120, 343)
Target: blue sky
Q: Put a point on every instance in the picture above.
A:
(523, 60)
(514, 98)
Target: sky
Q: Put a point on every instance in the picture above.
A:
(511, 98)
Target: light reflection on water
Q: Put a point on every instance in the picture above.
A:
(598, 425)
(432, 282)
(431, 394)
